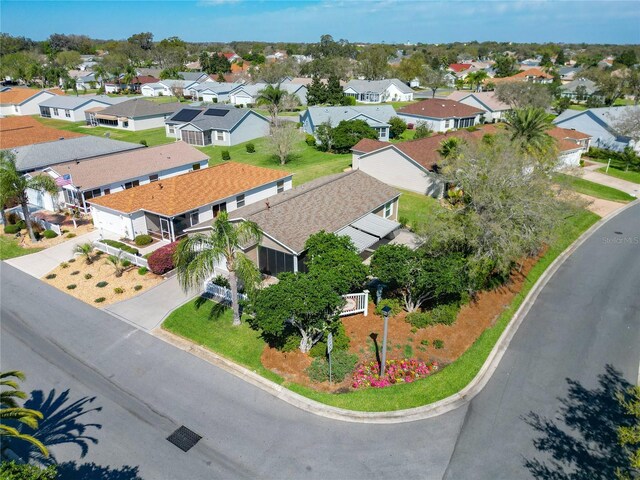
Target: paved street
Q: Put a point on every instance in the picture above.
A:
(586, 317)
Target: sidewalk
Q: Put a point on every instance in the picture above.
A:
(590, 173)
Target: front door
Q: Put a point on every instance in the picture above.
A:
(164, 229)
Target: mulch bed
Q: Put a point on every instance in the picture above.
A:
(472, 320)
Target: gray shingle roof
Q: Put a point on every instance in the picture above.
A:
(31, 157)
(377, 86)
(137, 107)
(607, 115)
(213, 122)
(589, 85)
(72, 102)
(216, 87)
(191, 76)
(379, 114)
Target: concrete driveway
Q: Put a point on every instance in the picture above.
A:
(590, 173)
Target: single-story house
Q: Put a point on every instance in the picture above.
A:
(223, 125)
(24, 101)
(73, 108)
(579, 89)
(166, 208)
(195, 77)
(494, 109)
(460, 70)
(378, 91)
(25, 130)
(165, 88)
(571, 145)
(86, 82)
(132, 114)
(352, 204)
(80, 181)
(533, 75)
(376, 117)
(135, 85)
(212, 92)
(247, 94)
(39, 155)
(441, 114)
(599, 123)
(568, 74)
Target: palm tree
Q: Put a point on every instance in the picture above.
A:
(198, 255)
(10, 410)
(119, 264)
(13, 184)
(476, 78)
(129, 74)
(272, 98)
(529, 125)
(450, 147)
(85, 250)
(100, 74)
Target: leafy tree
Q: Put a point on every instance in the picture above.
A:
(324, 134)
(433, 79)
(610, 85)
(283, 141)
(171, 53)
(505, 66)
(14, 184)
(545, 61)
(271, 97)
(523, 94)
(373, 62)
(198, 255)
(24, 471)
(317, 92)
(11, 411)
(143, 40)
(68, 59)
(306, 302)
(561, 104)
(561, 59)
(335, 93)
(581, 93)
(529, 126)
(411, 67)
(627, 123)
(422, 130)
(350, 132)
(397, 127)
(629, 436)
(336, 256)
(627, 58)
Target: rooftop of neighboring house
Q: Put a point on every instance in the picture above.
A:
(18, 95)
(254, 89)
(217, 87)
(182, 193)
(40, 155)
(191, 76)
(25, 130)
(306, 81)
(378, 113)
(153, 72)
(329, 203)
(377, 86)
(218, 117)
(139, 80)
(607, 115)
(138, 107)
(524, 75)
(460, 67)
(71, 102)
(440, 108)
(108, 169)
(589, 85)
(488, 99)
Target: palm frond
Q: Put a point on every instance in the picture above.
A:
(8, 431)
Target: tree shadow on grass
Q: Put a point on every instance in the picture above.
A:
(217, 309)
(582, 440)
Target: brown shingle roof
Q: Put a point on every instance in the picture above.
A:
(558, 132)
(367, 145)
(182, 193)
(120, 167)
(440, 108)
(328, 203)
(16, 96)
(24, 130)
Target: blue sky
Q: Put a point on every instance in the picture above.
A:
(387, 21)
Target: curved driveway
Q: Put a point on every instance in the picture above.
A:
(586, 317)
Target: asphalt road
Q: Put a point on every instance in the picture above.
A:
(587, 317)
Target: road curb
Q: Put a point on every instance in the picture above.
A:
(399, 416)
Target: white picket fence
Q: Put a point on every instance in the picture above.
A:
(136, 260)
(221, 294)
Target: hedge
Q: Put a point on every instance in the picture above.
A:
(142, 240)
(161, 261)
(121, 246)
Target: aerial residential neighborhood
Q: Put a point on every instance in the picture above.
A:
(311, 240)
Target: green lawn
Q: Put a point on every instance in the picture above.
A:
(153, 136)
(307, 164)
(577, 107)
(594, 189)
(629, 176)
(406, 135)
(416, 209)
(245, 347)
(9, 248)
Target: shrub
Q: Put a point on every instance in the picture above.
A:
(221, 281)
(71, 260)
(122, 246)
(51, 276)
(49, 234)
(75, 272)
(251, 148)
(88, 276)
(143, 270)
(99, 299)
(424, 342)
(144, 142)
(225, 155)
(392, 303)
(437, 343)
(142, 240)
(11, 229)
(13, 218)
(137, 287)
(342, 364)
(63, 231)
(161, 261)
(64, 265)
(310, 140)
(396, 371)
(445, 314)
(70, 235)
(102, 284)
(118, 290)
(71, 286)
(340, 342)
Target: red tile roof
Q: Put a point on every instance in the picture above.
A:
(440, 108)
(367, 145)
(21, 131)
(460, 67)
(15, 96)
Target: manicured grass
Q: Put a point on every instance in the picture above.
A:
(153, 136)
(307, 164)
(629, 176)
(577, 107)
(244, 345)
(9, 248)
(265, 113)
(416, 209)
(593, 189)
(240, 344)
(406, 135)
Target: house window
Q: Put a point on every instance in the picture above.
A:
(67, 113)
(192, 138)
(45, 112)
(446, 123)
(195, 166)
(55, 112)
(280, 186)
(193, 218)
(220, 207)
(240, 200)
(153, 178)
(125, 124)
(107, 191)
(273, 262)
(388, 209)
(129, 185)
(219, 135)
(172, 129)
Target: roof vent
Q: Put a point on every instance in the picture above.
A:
(61, 138)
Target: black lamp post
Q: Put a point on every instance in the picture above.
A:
(385, 312)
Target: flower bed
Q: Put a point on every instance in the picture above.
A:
(396, 371)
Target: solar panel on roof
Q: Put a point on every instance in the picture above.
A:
(185, 115)
(216, 112)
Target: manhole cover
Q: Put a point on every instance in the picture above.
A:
(184, 439)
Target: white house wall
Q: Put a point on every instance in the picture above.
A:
(489, 115)
(32, 106)
(252, 126)
(43, 200)
(434, 124)
(394, 94)
(110, 221)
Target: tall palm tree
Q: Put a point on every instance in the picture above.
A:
(475, 79)
(10, 410)
(272, 98)
(450, 147)
(529, 125)
(14, 184)
(129, 74)
(100, 74)
(198, 255)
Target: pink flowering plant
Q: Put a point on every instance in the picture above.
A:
(396, 371)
